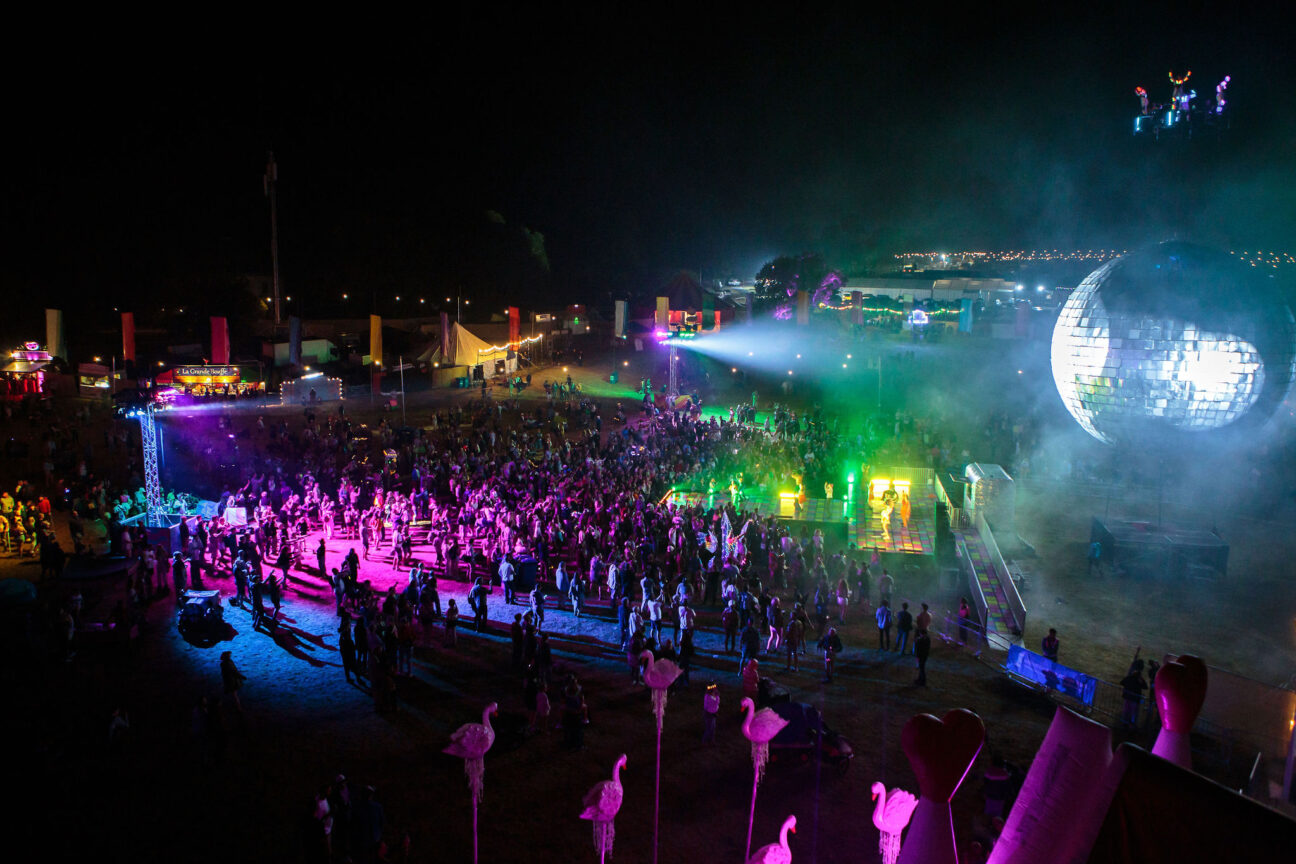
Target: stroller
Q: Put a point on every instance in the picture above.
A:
(201, 615)
(806, 731)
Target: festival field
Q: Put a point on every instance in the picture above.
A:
(163, 794)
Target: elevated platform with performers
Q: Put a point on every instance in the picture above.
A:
(859, 519)
(1184, 114)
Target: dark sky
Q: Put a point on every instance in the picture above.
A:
(637, 142)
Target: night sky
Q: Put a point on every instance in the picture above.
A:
(415, 156)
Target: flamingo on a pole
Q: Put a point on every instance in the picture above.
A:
(759, 727)
(658, 675)
(470, 743)
(776, 853)
(890, 815)
(601, 805)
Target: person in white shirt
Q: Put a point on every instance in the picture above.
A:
(506, 578)
(655, 607)
(687, 619)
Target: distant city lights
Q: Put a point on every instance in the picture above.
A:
(1267, 259)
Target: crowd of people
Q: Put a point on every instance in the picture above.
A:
(537, 501)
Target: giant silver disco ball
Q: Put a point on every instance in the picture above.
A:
(1175, 339)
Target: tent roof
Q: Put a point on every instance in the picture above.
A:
(466, 349)
(25, 367)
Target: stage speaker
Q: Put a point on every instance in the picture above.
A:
(525, 573)
(944, 537)
(165, 538)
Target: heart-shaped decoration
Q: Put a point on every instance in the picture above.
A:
(941, 750)
(1180, 692)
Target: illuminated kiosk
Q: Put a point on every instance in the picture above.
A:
(311, 388)
(24, 374)
(209, 380)
(1162, 345)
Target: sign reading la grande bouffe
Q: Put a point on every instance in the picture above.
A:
(215, 373)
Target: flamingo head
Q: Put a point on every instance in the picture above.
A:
(620, 765)
(789, 824)
(877, 789)
(492, 710)
(747, 705)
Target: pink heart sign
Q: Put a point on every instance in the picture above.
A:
(1180, 693)
(941, 750)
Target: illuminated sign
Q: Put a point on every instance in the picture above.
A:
(207, 374)
(31, 352)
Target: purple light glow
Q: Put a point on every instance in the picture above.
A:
(828, 289)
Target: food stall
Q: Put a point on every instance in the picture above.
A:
(96, 379)
(24, 374)
(212, 381)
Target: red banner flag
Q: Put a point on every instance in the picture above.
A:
(220, 349)
(515, 323)
(128, 336)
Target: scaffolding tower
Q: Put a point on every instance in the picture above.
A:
(152, 485)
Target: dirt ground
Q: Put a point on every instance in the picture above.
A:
(301, 723)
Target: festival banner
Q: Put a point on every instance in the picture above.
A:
(1037, 669)
(294, 340)
(375, 339)
(128, 337)
(619, 327)
(220, 347)
(447, 346)
(55, 342)
(663, 313)
(514, 322)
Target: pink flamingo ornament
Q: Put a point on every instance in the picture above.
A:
(470, 743)
(759, 727)
(776, 853)
(891, 814)
(658, 675)
(601, 805)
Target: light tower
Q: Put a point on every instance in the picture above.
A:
(161, 527)
(152, 485)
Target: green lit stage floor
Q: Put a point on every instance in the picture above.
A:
(916, 539)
